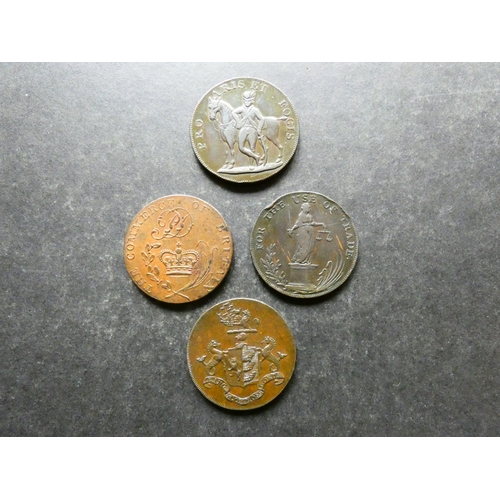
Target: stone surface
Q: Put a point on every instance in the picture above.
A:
(408, 346)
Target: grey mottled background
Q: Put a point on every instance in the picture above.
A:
(408, 346)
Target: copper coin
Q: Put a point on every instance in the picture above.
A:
(178, 249)
(244, 130)
(241, 354)
(304, 245)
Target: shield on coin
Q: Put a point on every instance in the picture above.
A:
(242, 365)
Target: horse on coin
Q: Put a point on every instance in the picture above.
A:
(229, 133)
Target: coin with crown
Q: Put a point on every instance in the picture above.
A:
(241, 354)
(178, 249)
(244, 130)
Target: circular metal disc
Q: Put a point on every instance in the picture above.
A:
(304, 245)
(178, 249)
(244, 130)
(241, 354)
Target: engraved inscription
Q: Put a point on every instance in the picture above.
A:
(304, 245)
(176, 245)
(140, 281)
(274, 209)
(351, 244)
(244, 130)
(260, 238)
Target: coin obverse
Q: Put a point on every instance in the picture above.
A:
(178, 249)
(244, 130)
(241, 354)
(304, 245)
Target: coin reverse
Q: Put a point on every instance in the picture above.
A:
(304, 245)
(244, 130)
(241, 354)
(178, 249)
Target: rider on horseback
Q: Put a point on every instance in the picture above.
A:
(249, 122)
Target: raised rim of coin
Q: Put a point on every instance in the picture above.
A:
(323, 255)
(178, 248)
(222, 359)
(237, 154)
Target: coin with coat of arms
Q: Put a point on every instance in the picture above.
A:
(178, 249)
(304, 245)
(244, 130)
(241, 354)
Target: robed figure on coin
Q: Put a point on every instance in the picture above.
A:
(309, 257)
(304, 235)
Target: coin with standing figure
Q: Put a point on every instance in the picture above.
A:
(178, 248)
(241, 354)
(304, 245)
(244, 130)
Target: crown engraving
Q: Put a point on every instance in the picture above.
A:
(179, 262)
(230, 316)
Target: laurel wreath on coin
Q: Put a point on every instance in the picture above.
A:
(148, 257)
(272, 267)
(327, 277)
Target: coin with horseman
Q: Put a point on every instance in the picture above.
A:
(244, 130)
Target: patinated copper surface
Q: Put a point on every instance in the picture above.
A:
(241, 354)
(178, 249)
(244, 130)
(304, 245)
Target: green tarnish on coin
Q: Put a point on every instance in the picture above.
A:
(304, 245)
(244, 130)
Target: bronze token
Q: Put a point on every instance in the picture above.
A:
(241, 354)
(244, 130)
(304, 245)
(178, 249)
